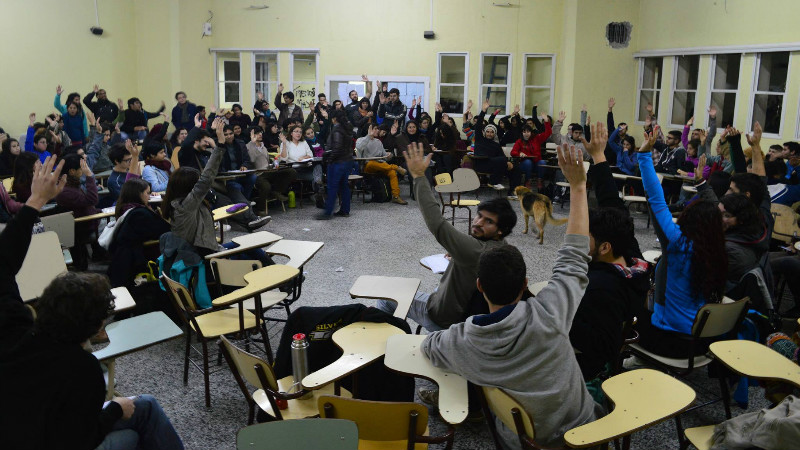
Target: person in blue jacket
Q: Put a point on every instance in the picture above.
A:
(692, 270)
(75, 123)
(183, 112)
(625, 149)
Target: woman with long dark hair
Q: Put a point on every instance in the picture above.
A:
(692, 270)
(11, 150)
(23, 175)
(746, 235)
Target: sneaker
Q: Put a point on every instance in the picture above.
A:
(512, 197)
(323, 216)
(259, 222)
(399, 201)
(429, 396)
(340, 213)
(497, 187)
(633, 363)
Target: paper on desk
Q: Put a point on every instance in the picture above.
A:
(437, 263)
(109, 210)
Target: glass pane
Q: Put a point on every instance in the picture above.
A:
(228, 66)
(305, 68)
(538, 71)
(686, 76)
(452, 69)
(534, 96)
(340, 90)
(645, 98)
(229, 92)
(408, 91)
(682, 107)
(725, 102)
(266, 67)
(651, 76)
(495, 70)
(452, 99)
(497, 99)
(772, 72)
(767, 111)
(726, 72)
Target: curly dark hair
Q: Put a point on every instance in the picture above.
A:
(506, 217)
(701, 225)
(72, 307)
(748, 218)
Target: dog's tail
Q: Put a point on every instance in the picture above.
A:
(552, 219)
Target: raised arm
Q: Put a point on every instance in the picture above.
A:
(202, 186)
(758, 156)
(652, 185)
(604, 185)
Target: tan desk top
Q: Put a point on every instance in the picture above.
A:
(641, 398)
(403, 354)
(221, 214)
(137, 333)
(247, 242)
(100, 215)
(400, 290)
(361, 342)
(651, 256)
(298, 252)
(756, 361)
(123, 300)
(259, 281)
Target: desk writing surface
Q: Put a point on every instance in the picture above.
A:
(756, 361)
(221, 213)
(100, 215)
(403, 354)
(259, 281)
(400, 290)
(361, 344)
(137, 333)
(298, 252)
(123, 300)
(247, 242)
(42, 264)
(299, 434)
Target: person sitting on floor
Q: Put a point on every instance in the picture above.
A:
(370, 146)
(521, 346)
(71, 412)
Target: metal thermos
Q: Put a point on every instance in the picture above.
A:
(299, 361)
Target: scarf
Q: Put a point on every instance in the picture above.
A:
(184, 112)
(412, 137)
(164, 165)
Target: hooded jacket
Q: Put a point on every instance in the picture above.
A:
(103, 110)
(745, 251)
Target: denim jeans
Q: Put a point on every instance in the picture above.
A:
(149, 428)
(338, 185)
(526, 166)
(242, 184)
(418, 311)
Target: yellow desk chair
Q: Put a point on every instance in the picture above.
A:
(385, 425)
(496, 402)
(463, 181)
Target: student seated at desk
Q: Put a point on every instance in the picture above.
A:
(522, 346)
(487, 145)
(370, 146)
(81, 203)
(125, 158)
(23, 174)
(529, 148)
(70, 412)
(140, 224)
(157, 168)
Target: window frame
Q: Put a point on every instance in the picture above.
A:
(439, 83)
(525, 87)
(674, 89)
(711, 90)
(754, 92)
(507, 85)
(316, 73)
(639, 88)
(253, 94)
(217, 81)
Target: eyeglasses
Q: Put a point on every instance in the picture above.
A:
(127, 159)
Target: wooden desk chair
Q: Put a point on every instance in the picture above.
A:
(299, 434)
(254, 370)
(230, 273)
(565, 184)
(208, 324)
(399, 290)
(8, 184)
(639, 199)
(385, 425)
(43, 263)
(786, 228)
(496, 402)
(749, 359)
(464, 180)
(712, 320)
(642, 398)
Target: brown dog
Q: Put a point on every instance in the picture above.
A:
(539, 207)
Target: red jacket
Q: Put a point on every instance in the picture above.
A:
(533, 146)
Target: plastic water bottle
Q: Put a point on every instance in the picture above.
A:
(292, 200)
(299, 361)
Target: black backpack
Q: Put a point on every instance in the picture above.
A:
(378, 186)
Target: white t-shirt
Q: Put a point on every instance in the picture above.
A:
(296, 152)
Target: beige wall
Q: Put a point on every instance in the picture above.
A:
(153, 48)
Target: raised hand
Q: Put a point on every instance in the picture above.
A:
(85, 170)
(416, 161)
(570, 161)
(611, 103)
(59, 90)
(754, 139)
(364, 78)
(597, 146)
(485, 105)
(712, 112)
(32, 118)
(497, 111)
(469, 105)
(516, 110)
(562, 116)
(198, 122)
(649, 140)
(325, 113)
(119, 103)
(134, 150)
(543, 118)
(438, 107)
(260, 96)
(649, 108)
(280, 87)
(701, 167)
(583, 108)
(413, 102)
(311, 105)
(382, 98)
(47, 182)
(690, 122)
(89, 117)
(164, 116)
(95, 88)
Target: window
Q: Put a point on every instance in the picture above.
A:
(304, 78)
(769, 91)
(409, 90)
(228, 78)
(684, 88)
(340, 89)
(453, 70)
(650, 70)
(495, 81)
(724, 86)
(265, 75)
(538, 83)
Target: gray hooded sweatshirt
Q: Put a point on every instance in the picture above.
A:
(528, 353)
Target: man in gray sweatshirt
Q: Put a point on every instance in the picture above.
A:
(522, 346)
(370, 146)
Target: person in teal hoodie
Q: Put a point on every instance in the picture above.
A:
(75, 122)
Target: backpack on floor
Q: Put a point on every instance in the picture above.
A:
(379, 188)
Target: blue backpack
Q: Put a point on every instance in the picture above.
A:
(193, 277)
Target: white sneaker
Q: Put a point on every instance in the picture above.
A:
(633, 363)
(512, 197)
(498, 187)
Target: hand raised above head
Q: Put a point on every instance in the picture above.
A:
(47, 182)
(416, 161)
(597, 146)
(570, 161)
